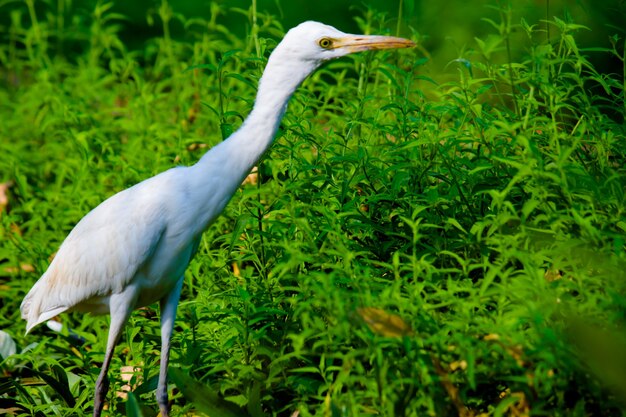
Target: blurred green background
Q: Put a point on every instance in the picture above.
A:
(485, 230)
(447, 29)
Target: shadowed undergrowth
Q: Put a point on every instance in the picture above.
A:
(411, 244)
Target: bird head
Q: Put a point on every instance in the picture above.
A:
(302, 50)
(317, 42)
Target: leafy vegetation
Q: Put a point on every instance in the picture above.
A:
(411, 245)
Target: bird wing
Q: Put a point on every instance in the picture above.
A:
(103, 253)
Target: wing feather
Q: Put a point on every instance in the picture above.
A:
(103, 253)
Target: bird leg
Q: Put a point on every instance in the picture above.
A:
(102, 383)
(102, 387)
(169, 304)
(121, 305)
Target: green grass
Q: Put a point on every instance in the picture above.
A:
(415, 244)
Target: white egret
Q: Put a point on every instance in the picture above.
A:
(133, 249)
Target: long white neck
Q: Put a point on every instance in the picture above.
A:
(278, 83)
(245, 146)
(221, 170)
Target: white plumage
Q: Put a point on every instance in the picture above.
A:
(133, 249)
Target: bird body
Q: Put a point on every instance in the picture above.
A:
(134, 239)
(132, 249)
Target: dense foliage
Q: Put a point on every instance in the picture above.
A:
(411, 245)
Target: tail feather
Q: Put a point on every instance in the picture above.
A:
(31, 307)
(31, 323)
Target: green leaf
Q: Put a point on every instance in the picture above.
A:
(59, 384)
(133, 409)
(455, 223)
(204, 398)
(240, 226)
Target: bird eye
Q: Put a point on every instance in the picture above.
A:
(325, 43)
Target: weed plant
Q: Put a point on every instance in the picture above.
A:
(409, 246)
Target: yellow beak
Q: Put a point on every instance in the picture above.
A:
(357, 43)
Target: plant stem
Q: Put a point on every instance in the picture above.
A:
(400, 4)
(624, 78)
(547, 24)
(60, 25)
(255, 30)
(507, 33)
